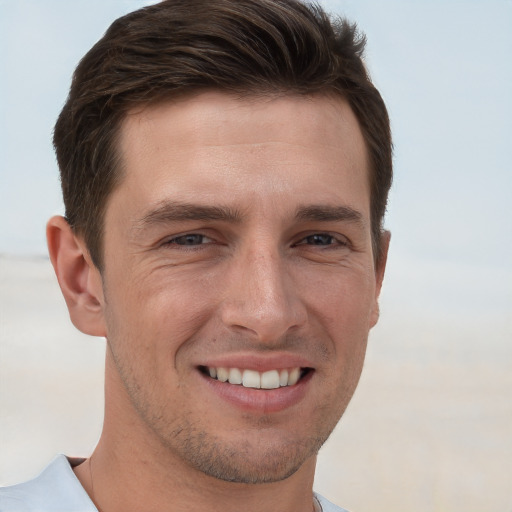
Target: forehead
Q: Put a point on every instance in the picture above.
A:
(242, 120)
(213, 146)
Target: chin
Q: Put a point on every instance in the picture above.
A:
(251, 461)
(243, 469)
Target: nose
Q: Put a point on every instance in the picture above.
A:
(262, 297)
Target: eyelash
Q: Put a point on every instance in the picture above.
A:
(334, 240)
(174, 240)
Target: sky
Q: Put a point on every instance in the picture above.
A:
(444, 70)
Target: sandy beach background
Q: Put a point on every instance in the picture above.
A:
(429, 429)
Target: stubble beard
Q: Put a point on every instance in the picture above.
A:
(262, 453)
(250, 461)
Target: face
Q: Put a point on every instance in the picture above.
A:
(239, 281)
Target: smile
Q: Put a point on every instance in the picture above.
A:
(271, 379)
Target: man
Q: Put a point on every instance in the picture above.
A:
(225, 167)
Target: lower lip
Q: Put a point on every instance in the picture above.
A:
(261, 401)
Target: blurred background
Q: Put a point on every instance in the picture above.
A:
(430, 426)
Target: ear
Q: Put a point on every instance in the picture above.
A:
(379, 275)
(79, 279)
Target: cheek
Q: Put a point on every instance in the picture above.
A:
(342, 300)
(161, 310)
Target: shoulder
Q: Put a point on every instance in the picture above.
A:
(327, 506)
(55, 489)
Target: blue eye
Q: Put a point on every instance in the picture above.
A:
(189, 239)
(320, 239)
(323, 240)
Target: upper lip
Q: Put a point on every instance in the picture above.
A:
(258, 362)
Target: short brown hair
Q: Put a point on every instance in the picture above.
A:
(181, 47)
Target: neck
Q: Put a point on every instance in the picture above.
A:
(118, 482)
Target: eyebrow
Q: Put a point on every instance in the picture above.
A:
(171, 211)
(175, 212)
(329, 214)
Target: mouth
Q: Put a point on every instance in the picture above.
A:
(247, 378)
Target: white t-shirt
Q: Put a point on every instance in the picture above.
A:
(57, 489)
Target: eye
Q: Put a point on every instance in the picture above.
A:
(190, 239)
(322, 239)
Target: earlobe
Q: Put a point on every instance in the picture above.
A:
(79, 279)
(379, 275)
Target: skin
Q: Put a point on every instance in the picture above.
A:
(239, 236)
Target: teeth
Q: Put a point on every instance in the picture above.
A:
(251, 379)
(222, 374)
(293, 377)
(271, 379)
(235, 376)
